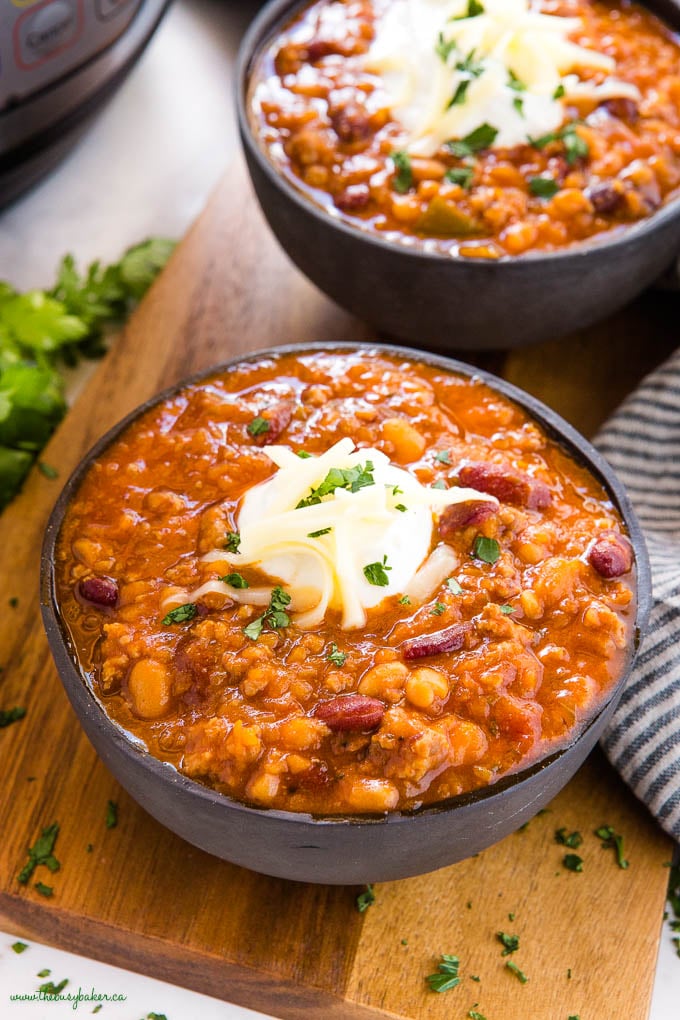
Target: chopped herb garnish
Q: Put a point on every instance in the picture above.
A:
(41, 853)
(506, 609)
(19, 947)
(443, 456)
(404, 600)
(461, 175)
(572, 862)
(258, 426)
(486, 549)
(401, 508)
(471, 69)
(44, 890)
(458, 97)
(438, 608)
(573, 1016)
(446, 976)
(98, 1008)
(510, 942)
(156, 1016)
(481, 138)
(13, 602)
(275, 615)
(111, 814)
(453, 586)
(376, 573)
(351, 479)
(11, 715)
(235, 580)
(543, 187)
(232, 541)
(403, 175)
(575, 147)
(559, 91)
(49, 988)
(365, 899)
(335, 655)
(612, 840)
(319, 533)
(516, 971)
(180, 614)
(47, 470)
(396, 491)
(89, 848)
(404, 942)
(44, 973)
(303, 455)
(474, 1015)
(475, 977)
(439, 484)
(511, 917)
(571, 839)
(515, 83)
(444, 47)
(474, 8)
(518, 104)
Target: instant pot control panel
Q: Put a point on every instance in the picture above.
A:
(42, 41)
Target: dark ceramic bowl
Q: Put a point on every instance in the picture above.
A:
(436, 300)
(338, 850)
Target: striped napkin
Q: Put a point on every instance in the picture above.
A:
(642, 443)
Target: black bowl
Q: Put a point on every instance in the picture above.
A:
(436, 300)
(337, 850)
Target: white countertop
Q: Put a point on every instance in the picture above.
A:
(146, 167)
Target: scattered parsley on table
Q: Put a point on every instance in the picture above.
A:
(446, 976)
(365, 899)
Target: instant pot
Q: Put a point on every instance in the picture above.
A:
(59, 61)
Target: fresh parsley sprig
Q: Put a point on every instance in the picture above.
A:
(275, 615)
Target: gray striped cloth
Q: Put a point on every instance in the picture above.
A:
(642, 443)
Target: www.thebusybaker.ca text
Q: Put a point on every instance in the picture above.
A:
(75, 998)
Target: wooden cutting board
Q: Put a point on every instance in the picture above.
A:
(143, 899)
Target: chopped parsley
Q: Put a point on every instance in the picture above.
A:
(49, 988)
(365, 899)
(575, 147)
(474, 1015)
(444, 47)
(439, 484)
(232, 541)
(446, 976)
(443, 456)
(44, 890)
(41, 853)
(471, 69)
(376, 573)
(559, 91)
(335, 655)
(44, 973)
(401, 508)
(515, 83)
(275, 615)
(258, 426)
(19, 947)
(572, 862)
(509, 942)
(474, 8)
(403, 173)
(571, 839)
(156, 1016)
(486, 549)
(573, 1016)
(518, 104)
(507, 609)
(519, 974)
(235, 580)
(11, 715)
(111, 814)
(437, 609)
(351, 479)
(404, 601)
(13, 602)
(481, 138)
(47, 470)
(461, 175)
(180, 614)
(543, 187)
(319, 533)
(303, 455)
(453, 586)
(612, 840)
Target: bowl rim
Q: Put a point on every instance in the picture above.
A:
(84, 699)
(268, 21)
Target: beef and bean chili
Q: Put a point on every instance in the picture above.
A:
(420, 676)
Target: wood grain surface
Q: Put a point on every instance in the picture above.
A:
(143, 899)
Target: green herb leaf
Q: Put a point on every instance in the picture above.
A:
(258, 426)
(275, 614)
(19, 947)
(156, 1016)
(474, 1015)
(510, 942)
(351, 479)
(335, 656)
(401, 508)
(572, 839)
(543, 187)
(11, 715)
(365, 899)
(559, 91)
(180, 614)
(235, 580)
(404, 601)
(572, 862)
(444, 47)
(461, 175)
(507, 609)
(44, 890)
(438, 609)
(111, 814)
(612, 840)
(481, 138)
(458, 97)
(44, 973)
(474, 8)
(254, 628)
(318, 534)
(41, 853)
(439, 484)
(443, 456)
(49, 988)
(575, 147)
(486, 549)
(376, 573)
(516, 971)
(232, 541)
(515, 83)
(518, 104)
(47, 470)
(453, 586)
(403, 176)
(446, 976)
(141, 264)
(303, 455)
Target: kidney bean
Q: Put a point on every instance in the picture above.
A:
(605, 198)
(462, 515)
(350, 712)
(278, 416)
(507, 485)
(622, 108)
(313, 778)
(351, 123)
(353, 198)
(100, 591)
(611, 555)
(318, 48)
(451, 639)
